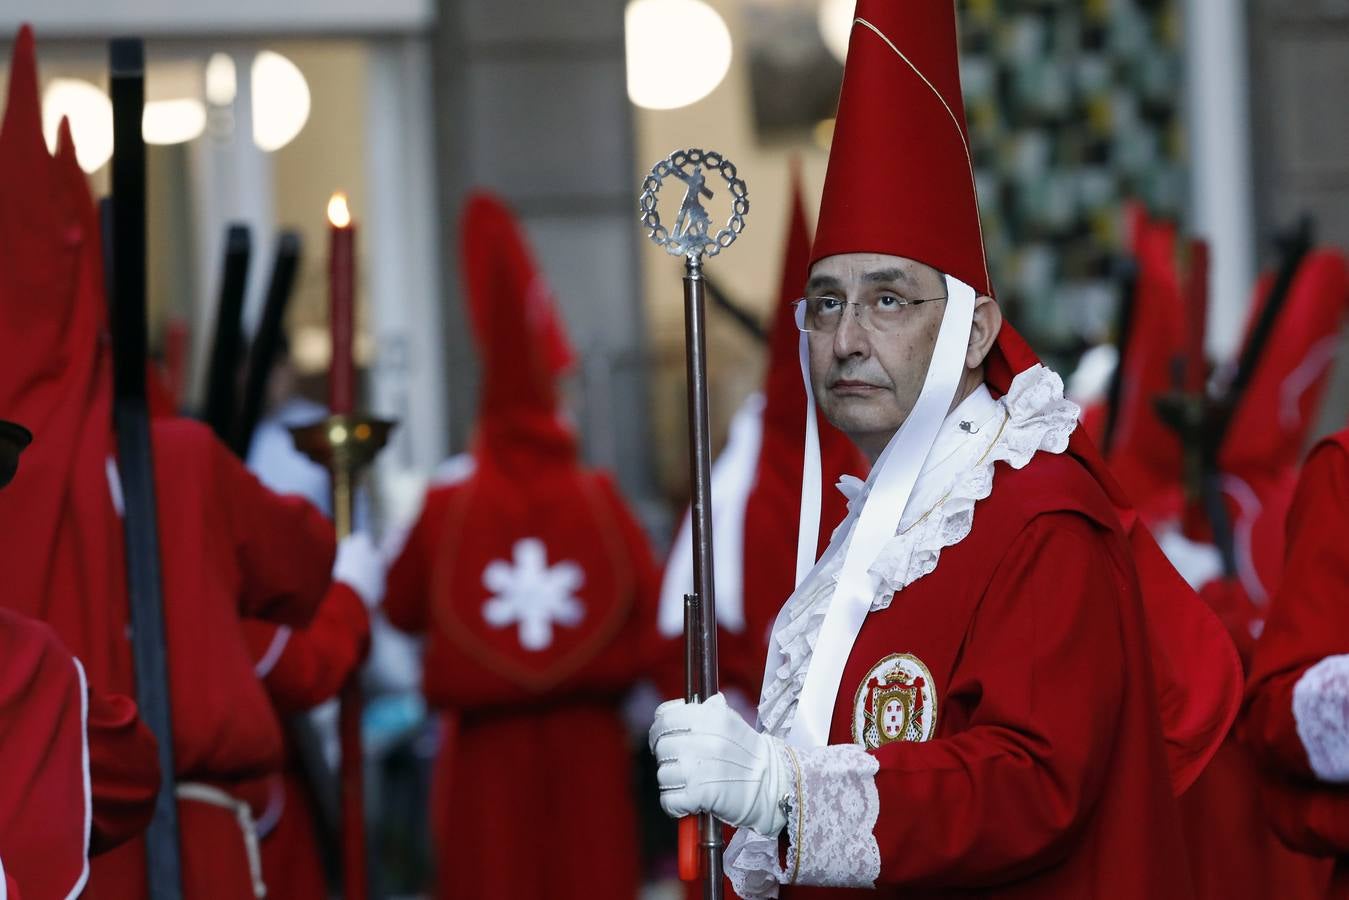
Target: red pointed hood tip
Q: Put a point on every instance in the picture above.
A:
(901, 178)
(21, 131)
(522, 343)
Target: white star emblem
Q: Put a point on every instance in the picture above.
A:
(532, 594)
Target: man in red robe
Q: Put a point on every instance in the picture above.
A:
(230, 549)
(536, 589)
(991, 681)
(1297, 703)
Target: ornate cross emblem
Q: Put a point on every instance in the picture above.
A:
(690, 235)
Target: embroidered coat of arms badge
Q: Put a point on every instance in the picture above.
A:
(895, 702)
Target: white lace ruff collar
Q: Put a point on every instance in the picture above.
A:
(1032, 416)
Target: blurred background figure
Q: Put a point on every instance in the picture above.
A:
(536, 589)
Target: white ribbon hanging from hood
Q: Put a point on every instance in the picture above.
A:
(892, 481)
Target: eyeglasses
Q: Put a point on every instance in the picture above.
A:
(884, 314)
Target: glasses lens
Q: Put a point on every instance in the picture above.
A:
(819, 313)
(802, 315)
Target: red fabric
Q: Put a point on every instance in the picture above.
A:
(1270, 429)
(522, 342)
(315, 661)
(305, 667)
(236, 550)
(900, 178)
(1234, 853)
(48, 715)
(1306, 623)
(123, 768)
(1145, 455)
(772, 510)
(292, 864)
(1196, 669)
(1046, 776)
(44, 808)
(539, 730)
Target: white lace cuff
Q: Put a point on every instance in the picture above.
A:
(832, 839)
(1321, 712)
(830, 828)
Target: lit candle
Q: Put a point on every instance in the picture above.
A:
(341, 304)
(1196, 318)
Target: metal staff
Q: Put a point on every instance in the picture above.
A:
(700, 839)
(345, 444)
(135, 463)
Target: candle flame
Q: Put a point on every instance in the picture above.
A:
(338, 212)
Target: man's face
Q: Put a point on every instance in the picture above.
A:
(865, 382)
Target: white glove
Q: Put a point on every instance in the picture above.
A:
(361, 567)
(710, 760)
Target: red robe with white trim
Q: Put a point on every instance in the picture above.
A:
(1046, 775)
(537, 591)
(301, 669)
(229, 548)
(78, 770)
(233, 549)
(1307, 622)
(538, 734)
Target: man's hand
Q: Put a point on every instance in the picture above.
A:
(710, 760)
(361, 567)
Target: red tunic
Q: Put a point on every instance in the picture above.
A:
(237, 550)
(1307, 622)
(524, 716)
(1046, 776)
(80, 771)
(301, 669)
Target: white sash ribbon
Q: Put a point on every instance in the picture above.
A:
(893, 479)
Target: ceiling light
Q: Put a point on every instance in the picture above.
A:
(280, 100)
(173, 121)
(835, 20)
(678, 51)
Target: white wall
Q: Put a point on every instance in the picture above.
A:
(102, 18)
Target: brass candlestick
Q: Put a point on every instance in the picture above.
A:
(345, 444)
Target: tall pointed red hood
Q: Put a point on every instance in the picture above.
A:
(522, 343)
(56, 381)
(900, 178)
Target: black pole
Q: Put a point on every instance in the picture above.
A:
(1124, 326)
(262, 356)
(131, 420)
(1293, 248)
(227, 347)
